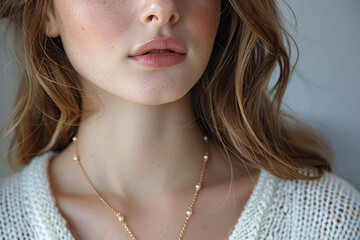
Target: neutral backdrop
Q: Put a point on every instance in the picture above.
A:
(324, 91)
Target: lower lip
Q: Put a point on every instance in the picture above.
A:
(159, 60)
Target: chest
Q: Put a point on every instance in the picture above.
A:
(214, 218)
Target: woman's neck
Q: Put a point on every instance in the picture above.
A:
(135, 151)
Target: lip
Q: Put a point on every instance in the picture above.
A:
(158, 43)
(142, 56)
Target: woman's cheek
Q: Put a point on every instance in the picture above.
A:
(204, 21)
(89, 25)
(91, 33)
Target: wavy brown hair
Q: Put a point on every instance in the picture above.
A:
(233, 101)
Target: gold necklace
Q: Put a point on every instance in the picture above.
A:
(120, 216)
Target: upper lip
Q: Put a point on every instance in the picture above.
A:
(159, 43)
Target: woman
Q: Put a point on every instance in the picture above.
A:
(153, 120)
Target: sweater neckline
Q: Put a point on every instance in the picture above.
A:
(50, 221)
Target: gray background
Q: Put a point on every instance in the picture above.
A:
(324, 90)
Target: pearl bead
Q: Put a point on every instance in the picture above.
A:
(120, 217)
(74, 139)
(205, 138)
(206, 157)
(75, 158)
(189, 213)
(198, 186)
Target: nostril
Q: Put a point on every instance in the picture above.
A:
(153, 18)
(172, 19)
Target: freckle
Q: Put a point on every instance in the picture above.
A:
(82, 28)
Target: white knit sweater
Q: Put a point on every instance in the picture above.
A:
(328, 208)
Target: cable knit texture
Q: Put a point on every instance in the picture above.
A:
(328, 208)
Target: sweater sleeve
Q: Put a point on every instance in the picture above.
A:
(328, 208)
(14, 222)
(339, 208)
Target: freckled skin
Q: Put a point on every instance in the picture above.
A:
(98, 37)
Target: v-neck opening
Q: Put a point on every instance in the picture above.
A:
(251, 214)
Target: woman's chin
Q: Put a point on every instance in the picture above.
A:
(153, 98)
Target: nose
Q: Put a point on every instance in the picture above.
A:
(159, 12)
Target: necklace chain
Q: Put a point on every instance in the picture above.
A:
(121, 217)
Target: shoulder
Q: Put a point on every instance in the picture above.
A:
(17, 211)
(329, 187)
(327, 208)
(13, 212)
